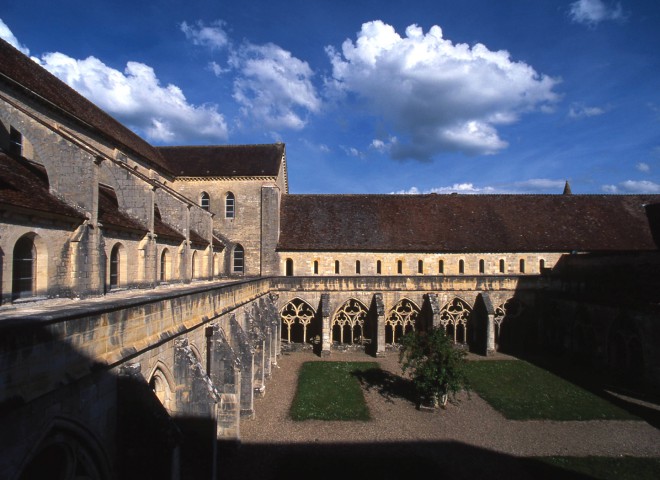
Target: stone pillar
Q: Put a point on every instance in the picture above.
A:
(275, 329)
(324, 311)
(225, 373)
(378, 308)
(490, 335)
(258, 342)
(241, 345)
(434, 309)
(195, 395)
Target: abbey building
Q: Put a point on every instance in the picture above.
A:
(197, 266)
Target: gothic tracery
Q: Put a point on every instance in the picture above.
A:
(454, 318)
(296, 312)
(350, 319)
(402, 319)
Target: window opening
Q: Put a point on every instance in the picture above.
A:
(441, 266)
(205, 201)
(522, 265)
(24, 268)
(337, 267)
(239, 259)
(461, 266)
(399, 267)
(501, 265)
(316, 267)
(454, 318)
(420, 266)
(401, 320)
(289, 267)
(541, 265)
(357, 267)
(296, 316)
(348, 323)
(114, 266)
(482, 266)
(230, 206)
(379, 267)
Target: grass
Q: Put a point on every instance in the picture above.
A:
(608, 468)
(330, 391)
(522, 391)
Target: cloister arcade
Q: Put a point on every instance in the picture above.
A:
(348, 323)
(401, 320)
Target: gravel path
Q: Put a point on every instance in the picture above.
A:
(469, 439)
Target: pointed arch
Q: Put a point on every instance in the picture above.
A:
(162, 383)
(401, 319)
(296, 317)
(348, 322)
(230, 205)
(238, 259)
(454, 317)
(165, 265)
(505, 313)
(205, 201)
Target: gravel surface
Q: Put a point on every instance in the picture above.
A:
(467, 440)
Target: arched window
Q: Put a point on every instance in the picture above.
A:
(379, 267)
(205, 201)
(501, 265)
(541, 265)
(165, 265)
(522, 265)
(482, 266)
(239, 259)
(399, 267)
(357, 267)
(115, 266)
(230, 205)
(289, 267)
(337, 267)
(461, 266)
(316, 267)
(420, 266)
(441, 266)
(24, 268)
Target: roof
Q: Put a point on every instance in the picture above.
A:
(111, 217)
(468, 223)
(224, 160)
(24, 185)
(166, 232)
(197, 240)
(32, 78)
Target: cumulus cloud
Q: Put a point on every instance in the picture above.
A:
(7, 35)
(534, 185)
(633, 186)
(213, 36)
(437, 96)
(643, 167)
(592, 12)
(273, 87)
(579, 110)
(136, 97)
(455, 188)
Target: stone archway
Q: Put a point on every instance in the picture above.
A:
(296, 316)
(454, 318)
(401, 319)
(348, 323)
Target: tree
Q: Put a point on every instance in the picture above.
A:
(435, 365)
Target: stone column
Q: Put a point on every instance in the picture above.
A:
(242, 347)
(225, 373)
(324, 311)
(378, 308)
(434, 306)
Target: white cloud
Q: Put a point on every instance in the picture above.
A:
(136, 97)
(579, 110)
(633, 186)
(273, 87)
(437, 96)
(540, 184)
(455, 188)
(643, 167)
(7, 35)
(592, 12)
(213, 36)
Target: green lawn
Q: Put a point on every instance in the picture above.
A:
(522, 391)
(607, 468)
(330, 391)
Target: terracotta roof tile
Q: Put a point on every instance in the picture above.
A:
(197, 239)
(224, 160)
(164, 231)
(34, 79)
(467, 223)
(111, 217)
(25, 185)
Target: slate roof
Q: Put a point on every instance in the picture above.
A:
(197, 240)
(224, 160)
(25, 186)
(468, 223)
(32, 78)
(164, 231)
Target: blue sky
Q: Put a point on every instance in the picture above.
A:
(420, 96)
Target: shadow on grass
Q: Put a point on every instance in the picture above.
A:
(600, 382)
(388, 385)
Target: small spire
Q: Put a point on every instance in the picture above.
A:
(567, 189)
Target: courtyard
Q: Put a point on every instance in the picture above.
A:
(467, 440)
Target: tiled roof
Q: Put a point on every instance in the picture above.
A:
(164, 231)
(197, 239)
(35, 79)
(224, 160)
(467, 223)
(111, 217)
(25, 185)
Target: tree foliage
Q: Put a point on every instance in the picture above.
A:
(435, 365)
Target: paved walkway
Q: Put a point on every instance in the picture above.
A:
(469, 439)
